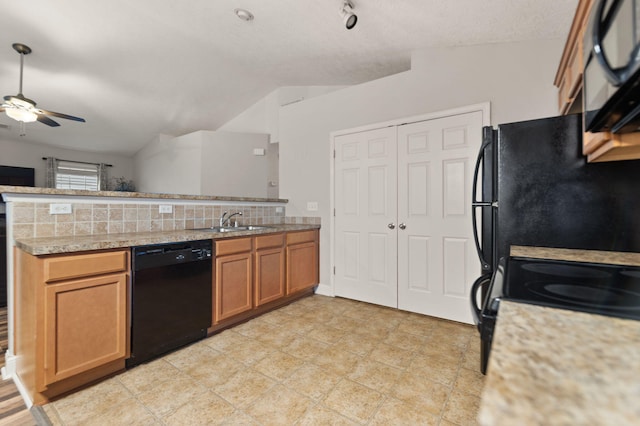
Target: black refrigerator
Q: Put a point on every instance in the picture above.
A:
(537, 189)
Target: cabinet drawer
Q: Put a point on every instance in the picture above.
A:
(267, 241)
(301, 237)
(58, 268)
(237, 245)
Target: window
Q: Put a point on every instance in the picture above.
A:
(72, 175)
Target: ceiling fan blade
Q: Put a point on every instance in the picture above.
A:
(46, 120)
(60, 115)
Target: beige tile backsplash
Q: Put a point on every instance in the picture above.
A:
(34, 219)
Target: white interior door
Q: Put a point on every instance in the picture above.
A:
(436, 254)
(365, 204)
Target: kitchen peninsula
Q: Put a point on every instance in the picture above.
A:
(558, 366)
(71, 251)
(554, 366)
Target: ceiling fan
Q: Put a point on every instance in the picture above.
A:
(24, 109)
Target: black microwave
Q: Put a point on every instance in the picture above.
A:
(611, 85)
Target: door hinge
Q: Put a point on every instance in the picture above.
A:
(334, 153)
(334, 270)
(334, 212)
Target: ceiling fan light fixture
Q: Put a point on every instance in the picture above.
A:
(348, 17)
(23, 109)
(21, 115)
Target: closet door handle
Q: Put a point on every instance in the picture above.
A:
(402, 226)
(391, 225)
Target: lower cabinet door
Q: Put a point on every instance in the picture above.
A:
(269, 275)
(85, 325)
(233, 286)
(302, 266)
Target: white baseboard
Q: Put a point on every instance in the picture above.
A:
(9, 372)
(324, 290)
(9, 369)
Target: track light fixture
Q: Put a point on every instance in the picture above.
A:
(348, 17)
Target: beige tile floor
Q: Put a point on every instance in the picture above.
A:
(319, 361)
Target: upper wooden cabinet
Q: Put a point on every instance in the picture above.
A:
(602, 146)
(569, 75)
(72, 323)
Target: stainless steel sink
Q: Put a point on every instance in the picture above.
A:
(231, 228)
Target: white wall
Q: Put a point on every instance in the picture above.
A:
(204, 163)
(517, 78)
(230, 167)
(19, 153)
(263, 116)
(169, 165)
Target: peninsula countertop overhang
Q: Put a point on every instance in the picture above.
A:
(551, 365)
(39, 191)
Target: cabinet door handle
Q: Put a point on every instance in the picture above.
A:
(391, 225)
(402, 226)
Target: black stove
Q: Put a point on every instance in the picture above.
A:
(604, 289)
(590, 287)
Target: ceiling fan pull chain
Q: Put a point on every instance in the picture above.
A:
(23, 128)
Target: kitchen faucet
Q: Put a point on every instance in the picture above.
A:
(226, 219)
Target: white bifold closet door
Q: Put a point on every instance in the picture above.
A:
(403, 234)
(366, 203)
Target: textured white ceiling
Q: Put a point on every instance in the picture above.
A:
(136, 68)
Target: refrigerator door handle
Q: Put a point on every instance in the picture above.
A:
(479, 204)
(481, 284)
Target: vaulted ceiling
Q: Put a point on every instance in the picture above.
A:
(134, 69)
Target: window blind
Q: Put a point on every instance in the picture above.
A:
(72, 175)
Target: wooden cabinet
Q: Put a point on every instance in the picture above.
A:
(85, 325)
(569, 75)
(269, 272)
(602, 146)
(233, 278)
(256, 274)
(302, 261)
(72, 319)
(605, 146)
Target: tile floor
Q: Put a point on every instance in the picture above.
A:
(319, 361)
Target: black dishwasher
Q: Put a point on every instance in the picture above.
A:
(171, 297)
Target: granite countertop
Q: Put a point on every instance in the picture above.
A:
(122, 194)
(554, 366)
(55, 245)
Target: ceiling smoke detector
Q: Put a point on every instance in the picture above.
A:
(348, 17)
(243, 14)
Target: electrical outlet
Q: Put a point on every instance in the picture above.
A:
(166, 208)
(59, 208)
(312, 206)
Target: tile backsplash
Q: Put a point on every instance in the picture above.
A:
(34, 219)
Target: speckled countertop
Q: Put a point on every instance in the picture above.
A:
(557, 367)
(55, 245)
(121, 194)
(593, 256)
